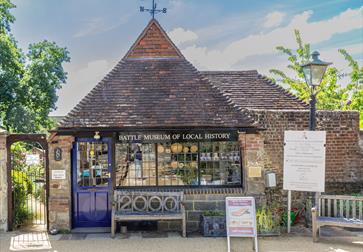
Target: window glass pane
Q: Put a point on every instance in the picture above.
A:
(177, 164)
(135, 165)
(220, 163)
(92, 167)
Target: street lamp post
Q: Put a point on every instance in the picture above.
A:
(314, 72)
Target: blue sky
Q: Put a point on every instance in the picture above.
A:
(213, 35)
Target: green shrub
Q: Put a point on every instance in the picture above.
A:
(267, 222)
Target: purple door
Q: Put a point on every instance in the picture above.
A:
(92, 183)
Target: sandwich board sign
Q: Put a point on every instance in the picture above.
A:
(241, 219)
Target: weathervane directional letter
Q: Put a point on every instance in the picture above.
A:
(153, 10)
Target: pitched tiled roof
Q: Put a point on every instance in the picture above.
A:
(155, 93)
(154, 87)
(249, 90)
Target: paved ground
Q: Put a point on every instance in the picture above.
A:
(172, 242)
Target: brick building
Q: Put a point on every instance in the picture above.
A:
(157, 123)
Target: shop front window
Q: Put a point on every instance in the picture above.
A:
(220, 163)
(178, 164)
(135, 165)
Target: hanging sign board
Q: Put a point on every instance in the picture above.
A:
(304, 161)
(32, 159)
(241, 218)
(177, 136)
(58, 174)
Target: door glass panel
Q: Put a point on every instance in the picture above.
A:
(92, 169)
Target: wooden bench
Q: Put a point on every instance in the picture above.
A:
(131, 205)
(337, 210)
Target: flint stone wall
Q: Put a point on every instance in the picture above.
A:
(3, 183)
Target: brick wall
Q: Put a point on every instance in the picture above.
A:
(60, 190)
(344, 165)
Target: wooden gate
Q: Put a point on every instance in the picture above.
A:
(35, 183)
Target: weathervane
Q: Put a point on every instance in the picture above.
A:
(153, 10)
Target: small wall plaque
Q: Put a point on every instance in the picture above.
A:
(254, 172)
(57, 154)
(58, 174)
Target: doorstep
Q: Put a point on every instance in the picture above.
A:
(96, 230)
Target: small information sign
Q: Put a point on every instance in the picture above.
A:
(241, 218)
(32, 159)
(58, 174)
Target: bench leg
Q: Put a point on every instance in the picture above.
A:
(113, 228)
(315, 225)
(184, 227)
(316, 232)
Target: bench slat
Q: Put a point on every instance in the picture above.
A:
(335, 207)
(341, 204)
(341, 222)
(354, 210)
(360, 210)
(347, 208)
(319, 207)
(148, 217)
(322, 207)
(329, 207)
(344, 197)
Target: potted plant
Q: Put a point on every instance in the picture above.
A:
(213, 223)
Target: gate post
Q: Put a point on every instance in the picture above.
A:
(60, 190)
(3, 182)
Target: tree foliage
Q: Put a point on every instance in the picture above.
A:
(28, 82)
(330, 94)
(355, 86)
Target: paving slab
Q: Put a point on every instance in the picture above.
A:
(99, 236)
(173, 242)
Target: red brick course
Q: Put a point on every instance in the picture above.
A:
(153, 43)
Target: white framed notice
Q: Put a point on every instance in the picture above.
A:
(32, 159)
(241, 218)
(58, 174)
(304, 161)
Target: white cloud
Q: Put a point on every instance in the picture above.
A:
(274, 19)
(179, 36)
(98, 25)
(79, 83)
(265, 43)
